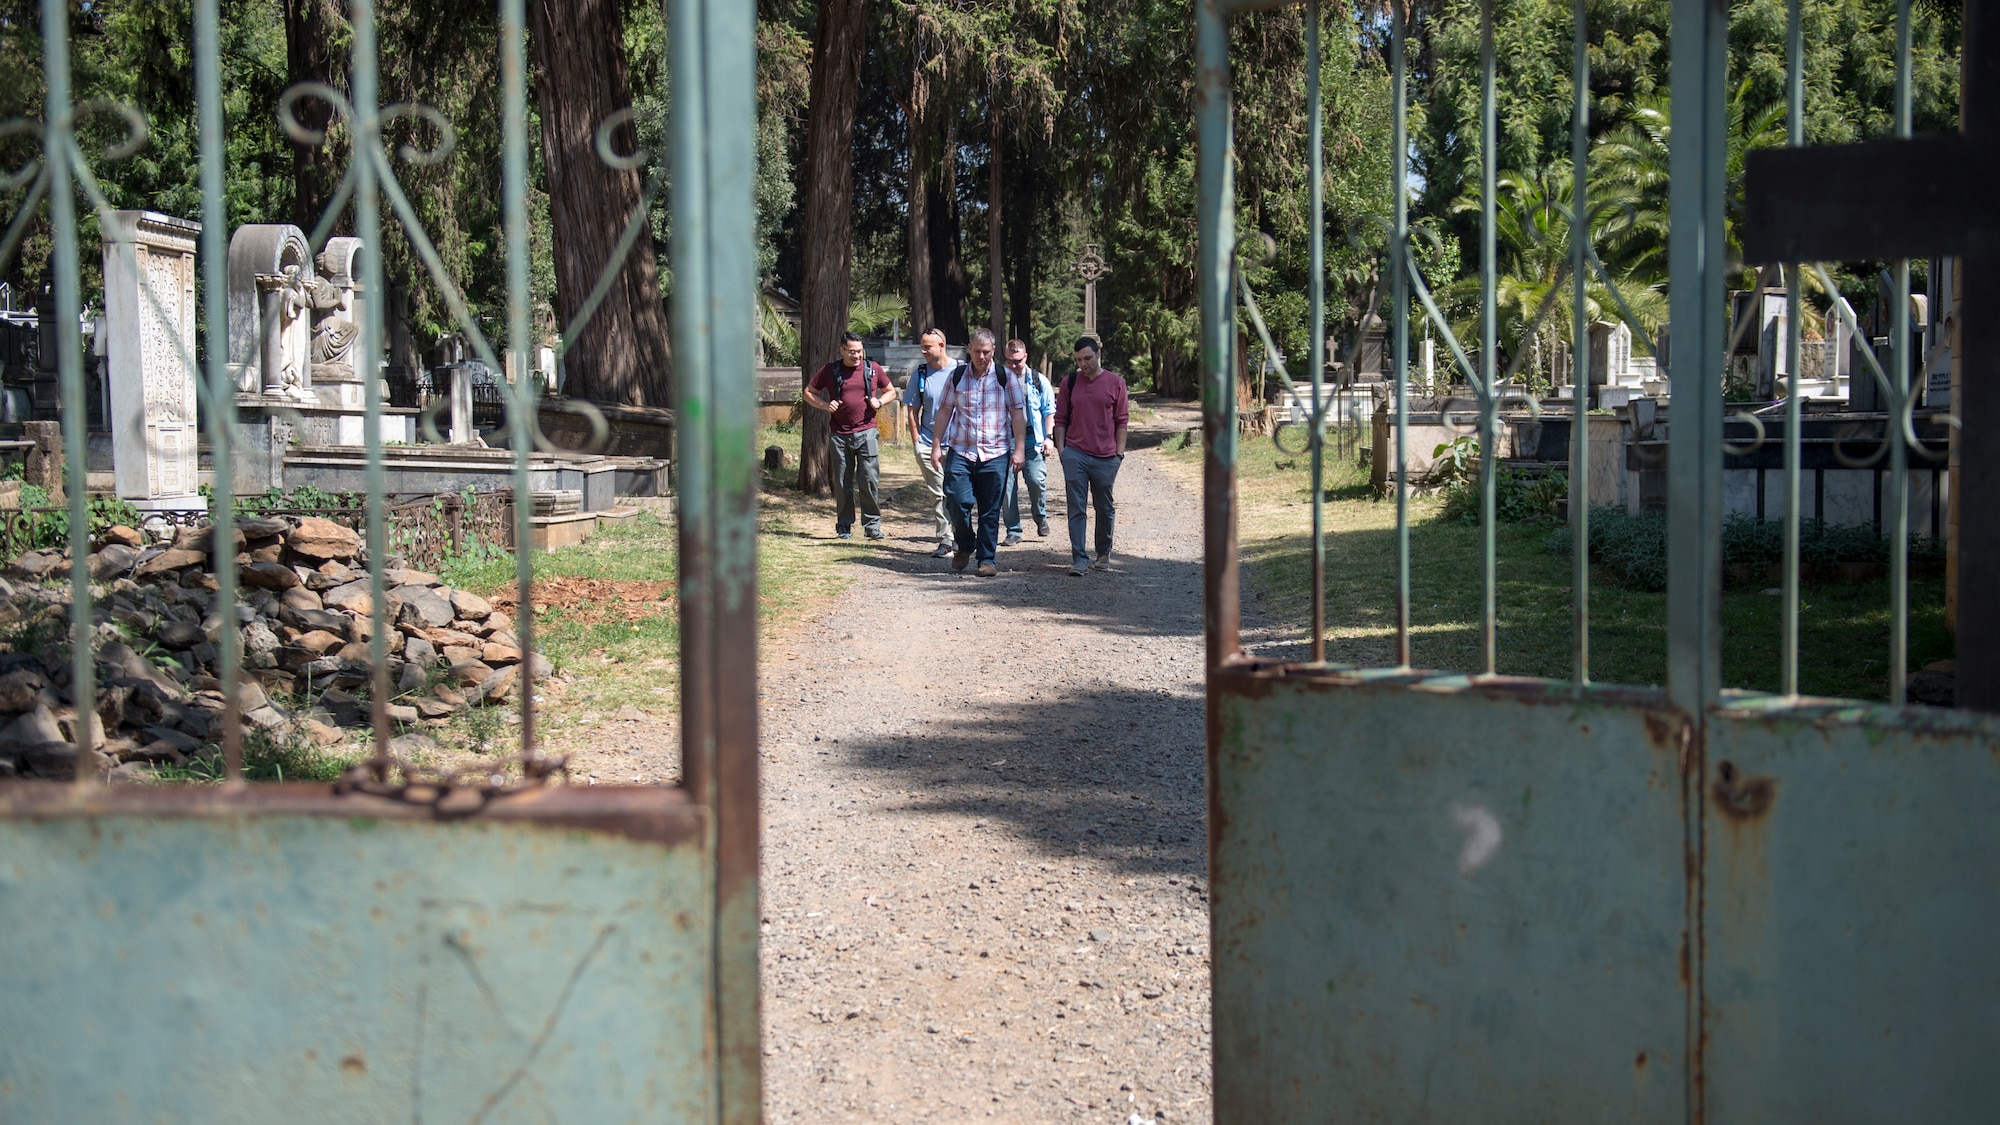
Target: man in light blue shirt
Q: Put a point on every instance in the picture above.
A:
(920, 400)
(1035, 467)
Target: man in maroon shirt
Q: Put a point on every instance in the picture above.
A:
(1092, 409)
(852, 390)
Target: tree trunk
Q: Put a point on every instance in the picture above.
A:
(918, 194)
(996, 272)
(827, 242)
(948, 284)
(1021, 258)
(314, 32)
(620, 355)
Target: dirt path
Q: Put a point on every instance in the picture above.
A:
(984, 858)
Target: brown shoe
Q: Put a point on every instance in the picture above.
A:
(959, 559)
(987, 570)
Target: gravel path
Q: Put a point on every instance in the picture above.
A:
(984, 861)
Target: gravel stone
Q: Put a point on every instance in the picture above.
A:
(976, 993)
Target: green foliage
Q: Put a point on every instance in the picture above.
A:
(267, 756)
(1453, 461)
(305, 497)
(42, 530)
(866, 314)
(1518, 497)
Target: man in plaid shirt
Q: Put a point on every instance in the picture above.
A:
(983, 422)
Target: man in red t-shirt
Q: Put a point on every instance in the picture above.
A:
(1092, 410)
(852, 390)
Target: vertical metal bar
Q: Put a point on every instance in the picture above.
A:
(220, 409)
(368, 225)
(1698, 168)
(57, 129)
(1221, 592)
(713, 129)
(1795, 135)
(1579, 367)
(514, 219)
(1316, 316)
(1901, 400)
(1400, 323)
(1489, 334)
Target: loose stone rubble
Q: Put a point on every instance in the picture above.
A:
(304, 606)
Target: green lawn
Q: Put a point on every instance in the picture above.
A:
(1844, 632)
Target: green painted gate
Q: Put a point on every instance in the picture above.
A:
(1492, 898)
(404, 946)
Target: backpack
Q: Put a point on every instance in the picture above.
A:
(867, 371)
(999, 369)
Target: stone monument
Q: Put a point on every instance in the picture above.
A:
(269, 266)
(1091, 269)
(149, 314)
(335, 294)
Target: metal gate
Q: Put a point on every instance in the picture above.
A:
(403, 945)
(1482, 897)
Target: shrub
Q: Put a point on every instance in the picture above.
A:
(1634, 548)
(1517, 497)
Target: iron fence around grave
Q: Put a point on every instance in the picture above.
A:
(528, 948)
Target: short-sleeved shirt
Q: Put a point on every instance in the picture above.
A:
(982, 425)
(925, 390)
(1092, 411)
(851, 411)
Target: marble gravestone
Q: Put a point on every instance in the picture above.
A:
(149, 331)
(270, 267)
(336, 335)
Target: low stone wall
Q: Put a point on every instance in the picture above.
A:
(306, 625)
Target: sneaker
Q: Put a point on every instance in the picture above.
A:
(944, 551)
(1013, 539)
(1103, 562)
(843, 535)
(988, 570)
(1042, 529)
(1077, 567)
(959, 559)
(877, 533)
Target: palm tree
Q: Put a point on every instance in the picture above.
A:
(1629, 165)
(1531, 216)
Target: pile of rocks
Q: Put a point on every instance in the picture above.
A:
(305, 613)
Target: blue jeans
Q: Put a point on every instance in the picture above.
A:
(856, 471)
(970, 486)
(1035, 470)
(1083, 473)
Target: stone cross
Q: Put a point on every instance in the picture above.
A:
(1091, 269)
(149, 318)
(1912, 198)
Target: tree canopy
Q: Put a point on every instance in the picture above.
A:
(1090, 111)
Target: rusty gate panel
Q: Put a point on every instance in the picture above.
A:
(281, 954)
(1432, 900)
(1852, 895)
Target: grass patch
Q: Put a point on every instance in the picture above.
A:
(1844, 633)
(268, 757)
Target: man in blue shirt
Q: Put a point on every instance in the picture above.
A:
(1035, 467)
(920, 400)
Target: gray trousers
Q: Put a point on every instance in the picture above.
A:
(857, 471)
(1091, 477)
(934, 480)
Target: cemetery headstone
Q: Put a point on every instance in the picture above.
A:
(149, 341)
(268, 266)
